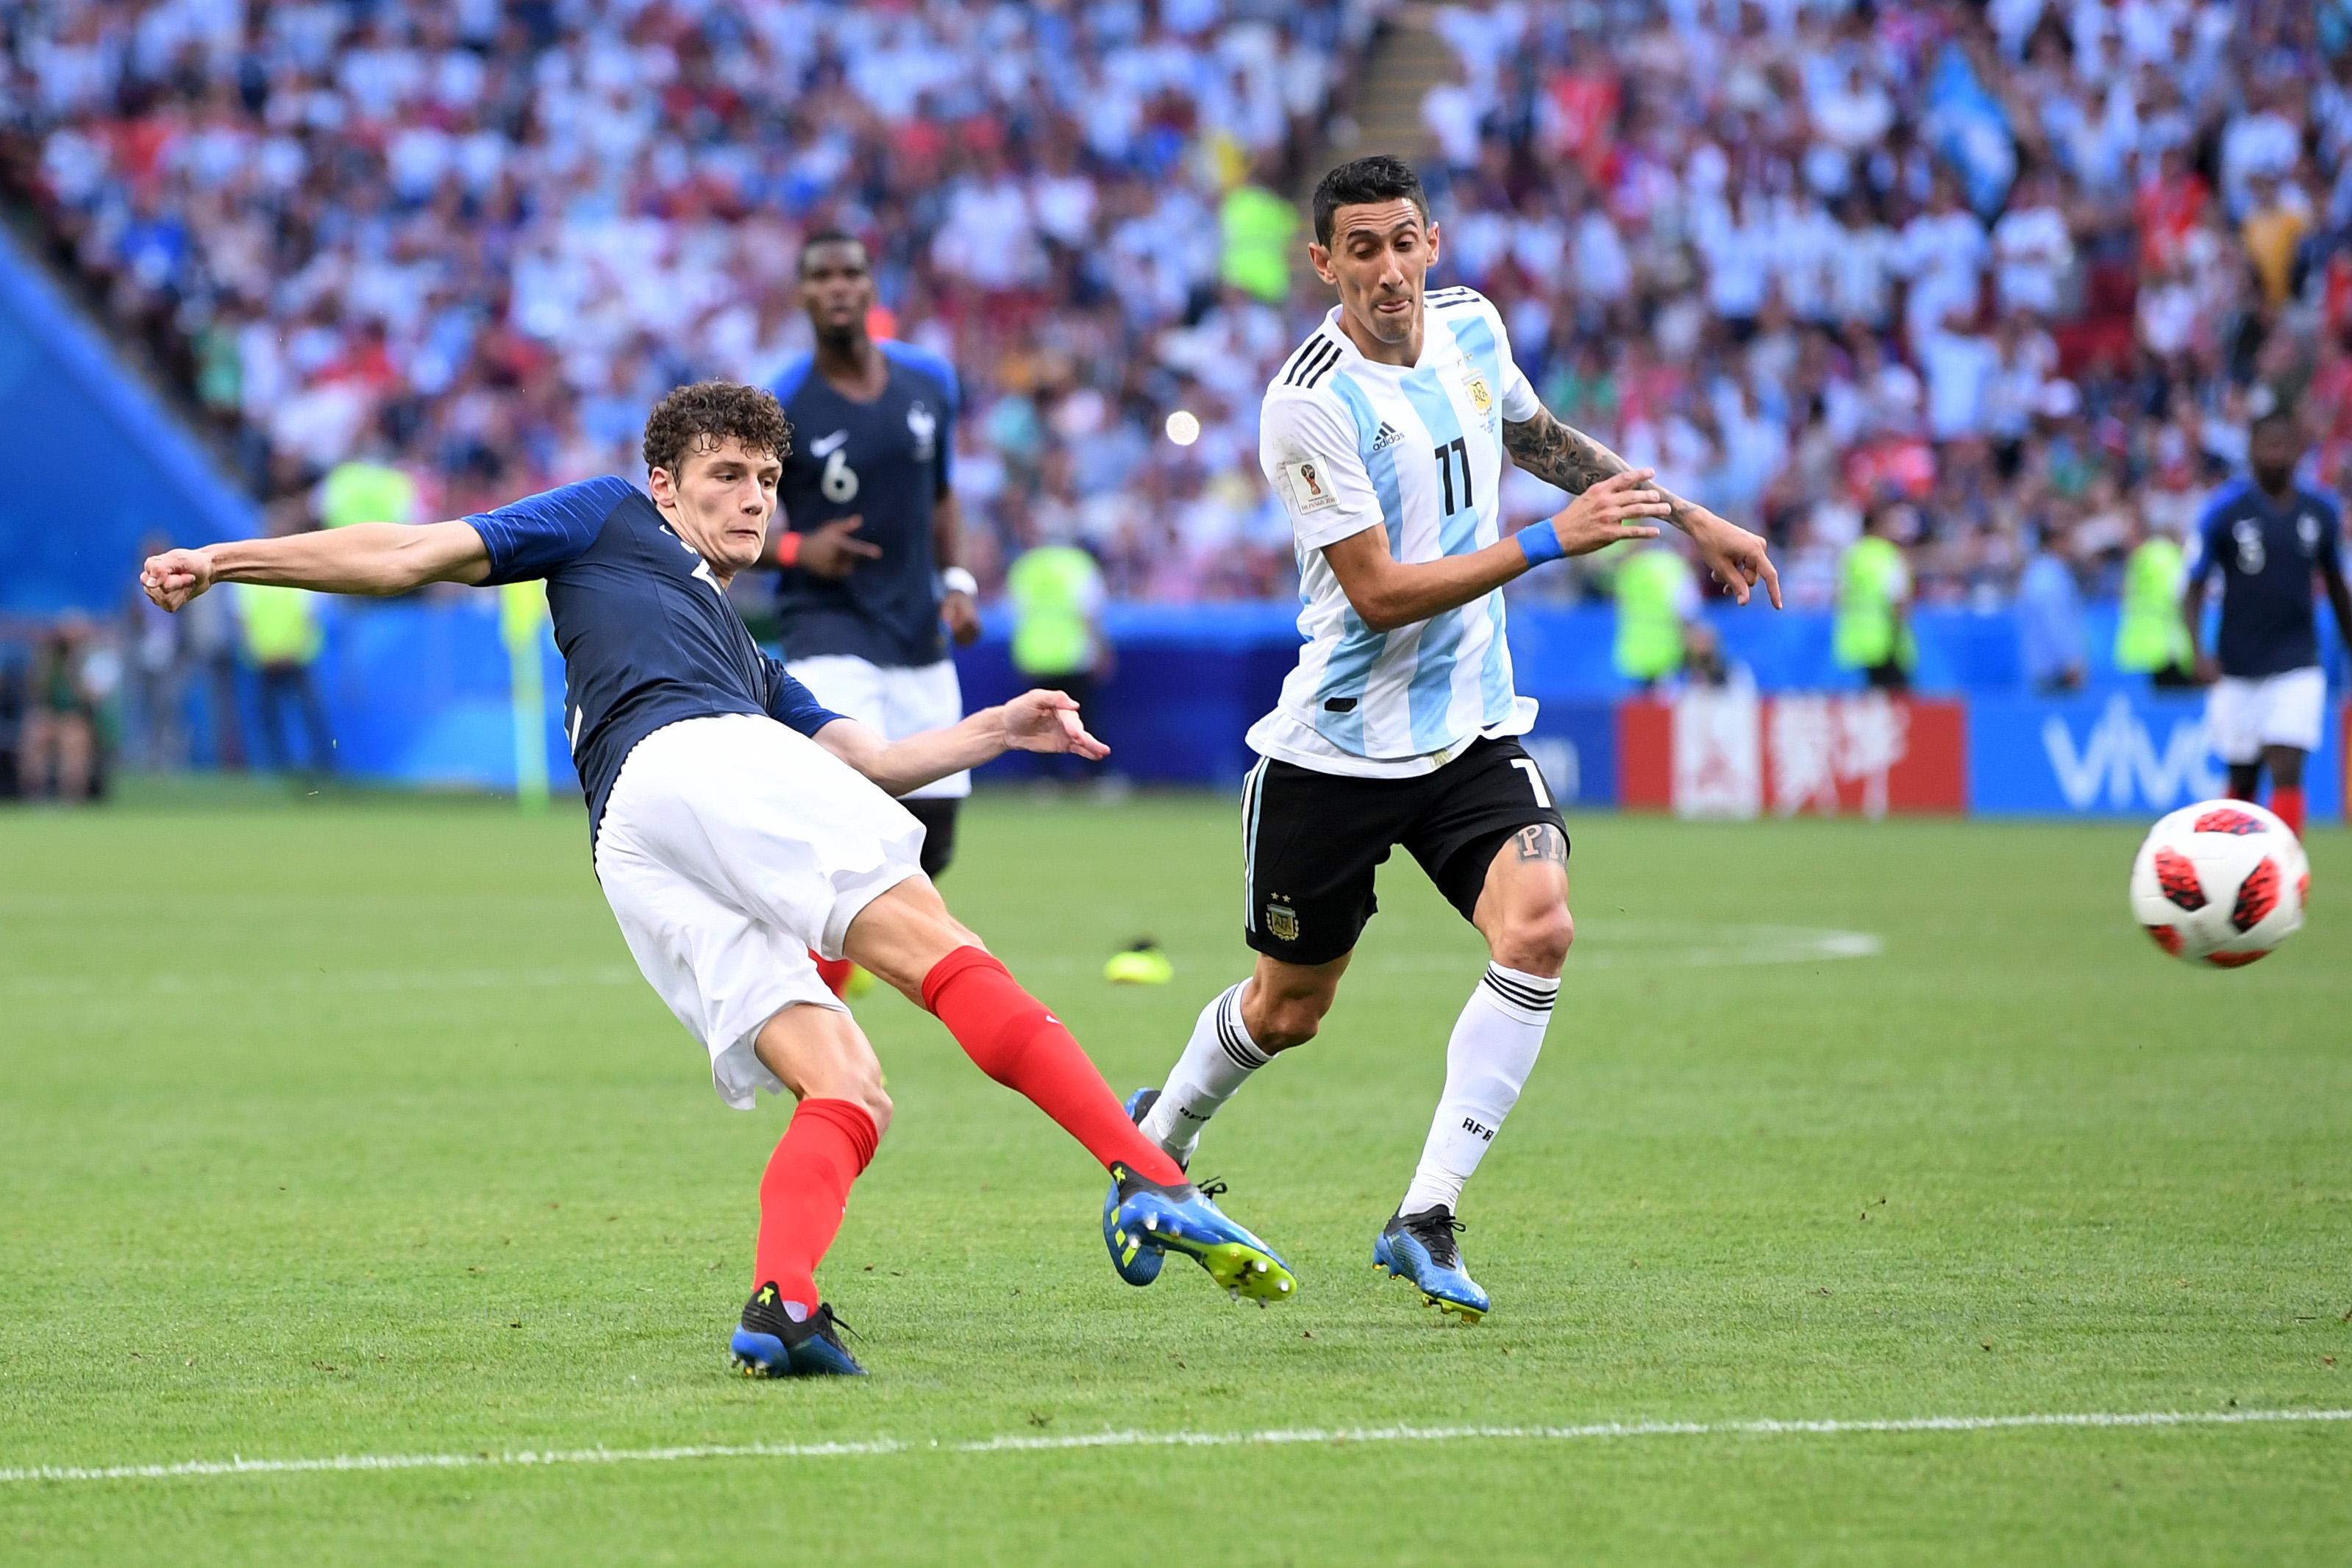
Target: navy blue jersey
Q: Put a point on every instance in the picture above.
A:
(2266, 551)
(648, 635)
(887, 462)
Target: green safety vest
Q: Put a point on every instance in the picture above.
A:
(1649, 622)
(2150, 635)
(1050, 588)
(1256, 227)
(1865, 632)
(366, 492)
(280, 625)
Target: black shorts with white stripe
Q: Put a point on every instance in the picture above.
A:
(1313, 841)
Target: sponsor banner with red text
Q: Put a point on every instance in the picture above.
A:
(1735, 754)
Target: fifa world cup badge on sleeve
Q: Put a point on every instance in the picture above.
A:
(1310, 486)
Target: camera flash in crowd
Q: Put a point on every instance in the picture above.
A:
(1183, 427)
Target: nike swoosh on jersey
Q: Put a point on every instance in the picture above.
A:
(830, 445)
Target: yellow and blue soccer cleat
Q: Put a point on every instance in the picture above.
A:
(769, 1342)
(1419, 1249)
(1136, 1264)
(1144, 1219)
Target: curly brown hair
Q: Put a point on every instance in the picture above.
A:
(698, 417)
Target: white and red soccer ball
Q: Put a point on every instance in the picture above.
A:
(2222, 882)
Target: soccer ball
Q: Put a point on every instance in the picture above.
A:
(2222, 882)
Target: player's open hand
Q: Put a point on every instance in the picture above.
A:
(1048, 721)
(176, 576)
(1616, 508)
(1736, 558)
(831, 551)
(962, 617)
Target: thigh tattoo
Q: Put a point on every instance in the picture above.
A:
(1541, 841)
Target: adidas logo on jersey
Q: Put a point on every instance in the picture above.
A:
(1387, 436)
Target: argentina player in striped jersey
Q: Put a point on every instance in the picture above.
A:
(1384, 435)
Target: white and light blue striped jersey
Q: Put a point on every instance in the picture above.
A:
(1350, 445)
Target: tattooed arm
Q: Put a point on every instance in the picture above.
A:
(1561, 455)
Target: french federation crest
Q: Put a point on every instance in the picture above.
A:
(924, 427)
(1281, 921)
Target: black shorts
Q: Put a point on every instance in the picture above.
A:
(1311, 841)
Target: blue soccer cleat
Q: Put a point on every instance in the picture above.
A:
(771, 1343)
(1144, 1219)
(1136, 1264)
(1419, 1249)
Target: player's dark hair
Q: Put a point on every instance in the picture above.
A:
(1379, 178)
(2279, 413)
(697, 417)
(827, 236)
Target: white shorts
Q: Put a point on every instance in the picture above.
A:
(898, 699)
(2244, 714)
(730, 845)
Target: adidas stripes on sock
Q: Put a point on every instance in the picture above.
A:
(1494, 1048)
(1217, 1060)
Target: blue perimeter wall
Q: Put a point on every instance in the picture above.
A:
(95, 463)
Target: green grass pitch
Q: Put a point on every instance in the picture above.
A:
(345, 1128)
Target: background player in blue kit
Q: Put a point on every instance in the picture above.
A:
(2265, 536)
(737, 825)
(872, 530)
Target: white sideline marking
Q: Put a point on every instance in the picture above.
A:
(1015, 1444)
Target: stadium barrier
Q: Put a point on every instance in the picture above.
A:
(416, 693)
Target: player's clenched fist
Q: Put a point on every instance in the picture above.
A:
(1048, 721)
(176, 576)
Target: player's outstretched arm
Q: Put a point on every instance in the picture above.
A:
(366, 558)
(1557, 452)
(1387, 594)
(1033, 722)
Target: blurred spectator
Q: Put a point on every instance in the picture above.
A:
(282, 640)
(2053, 645)
(1056, 594)
(1657, 598)
(156, 683)
(2151, 639)
(1872, 630)
(60, 756)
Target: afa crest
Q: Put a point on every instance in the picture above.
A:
(1281, 922)
(1480, 398)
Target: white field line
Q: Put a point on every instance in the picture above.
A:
(1022, 1444)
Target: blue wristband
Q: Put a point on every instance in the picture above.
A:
(1541, 541)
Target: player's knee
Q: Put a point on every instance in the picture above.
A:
(876, 1102)
(1537, 941)
(1289, 1021)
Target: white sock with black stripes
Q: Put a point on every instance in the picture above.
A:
(1494, 1044)
(1217, 1060)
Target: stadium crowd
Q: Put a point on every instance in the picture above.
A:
(2011, 272)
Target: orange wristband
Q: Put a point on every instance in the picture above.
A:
(788, 548)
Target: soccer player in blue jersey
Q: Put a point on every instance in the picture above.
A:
(2267, 536)
(1383, 436)
(735, 823)
(871, 531)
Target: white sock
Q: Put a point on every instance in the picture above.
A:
(1494, 1044)
(1217, 1060)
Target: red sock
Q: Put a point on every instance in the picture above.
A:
(835, 973)
(2286, 804)
(804, 1191)
(1018, 1042)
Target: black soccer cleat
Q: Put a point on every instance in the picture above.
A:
(770, 1343)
